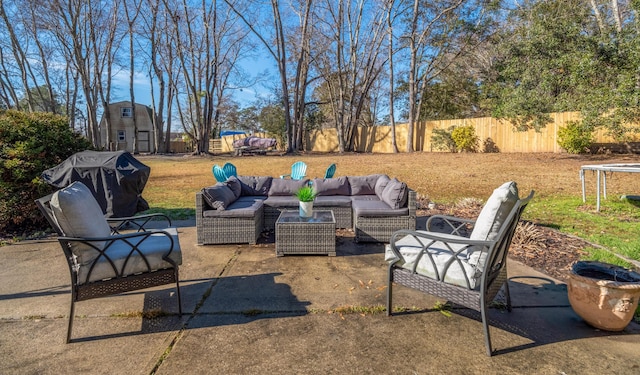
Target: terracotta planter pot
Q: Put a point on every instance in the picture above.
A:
(306, 209)
(604, 295)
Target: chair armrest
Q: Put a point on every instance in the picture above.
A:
(139, 222)
(453, 225)
(132, 240)
(426, 239)
(447, 250)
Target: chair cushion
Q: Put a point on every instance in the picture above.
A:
(280, 186)
(458, 271)
(255, 185)
(331, 186)
(78, 214)
(395, 194)
(363, 185)
(495, 212)
(153, 247)
(218, 196)
(241, 208)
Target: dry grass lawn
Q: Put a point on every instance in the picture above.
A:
(441, 177)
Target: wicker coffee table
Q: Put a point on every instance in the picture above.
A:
(300, 235)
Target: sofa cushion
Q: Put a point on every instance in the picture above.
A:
(457, 272)
(332, 201)
(154, 248)
(78, 214)
(376, 208)
(331, 186)
(241, 208)
(369, 197)
(495, 212)
(218, 196)
(255, 185)
(234, 184)
(362, 185)
(381, 184)
(282, 201)
(395, 194)
(283, 186)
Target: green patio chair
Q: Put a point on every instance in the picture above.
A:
(230, 170)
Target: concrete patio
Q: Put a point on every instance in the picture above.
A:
(250, 312)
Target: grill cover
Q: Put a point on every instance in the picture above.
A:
(116, 179)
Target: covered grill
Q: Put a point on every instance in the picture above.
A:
(116, 179)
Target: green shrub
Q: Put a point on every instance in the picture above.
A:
(575, 138)
(441, 140)
(465, 138)
(30, 144)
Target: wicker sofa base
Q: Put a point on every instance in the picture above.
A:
(223, 230)
(380, 229)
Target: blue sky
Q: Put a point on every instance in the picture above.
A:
(142, 92)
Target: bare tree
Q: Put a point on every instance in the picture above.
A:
(86, 33)
(208, 43)
(353, 33)
(131, 16)
(277, 39)
(437, 33)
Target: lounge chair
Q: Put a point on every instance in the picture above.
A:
(466, 270)
(102, 261)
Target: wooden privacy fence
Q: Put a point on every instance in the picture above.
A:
(500, 133)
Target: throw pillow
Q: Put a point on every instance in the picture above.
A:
(395, 194)
(381, 184)
(285, 186)
(331, 186)
(234, 184)
(255, 185)
(363, 185)
(218, 196)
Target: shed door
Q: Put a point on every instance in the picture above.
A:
(143, 141)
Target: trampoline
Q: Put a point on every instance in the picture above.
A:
(603, 169)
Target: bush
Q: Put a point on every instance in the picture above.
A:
(30, 144)
(575, 138)
(465, 138)
(441, 140)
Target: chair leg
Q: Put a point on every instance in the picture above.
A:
(485, 325)
(70, 326)
(507, 295)
(178, 293)
(389, 293)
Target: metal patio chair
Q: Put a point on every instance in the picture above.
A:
(102, 261)
(467, 270)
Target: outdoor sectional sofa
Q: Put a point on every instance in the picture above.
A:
(239, 209)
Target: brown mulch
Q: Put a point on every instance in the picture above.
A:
(541, 248)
